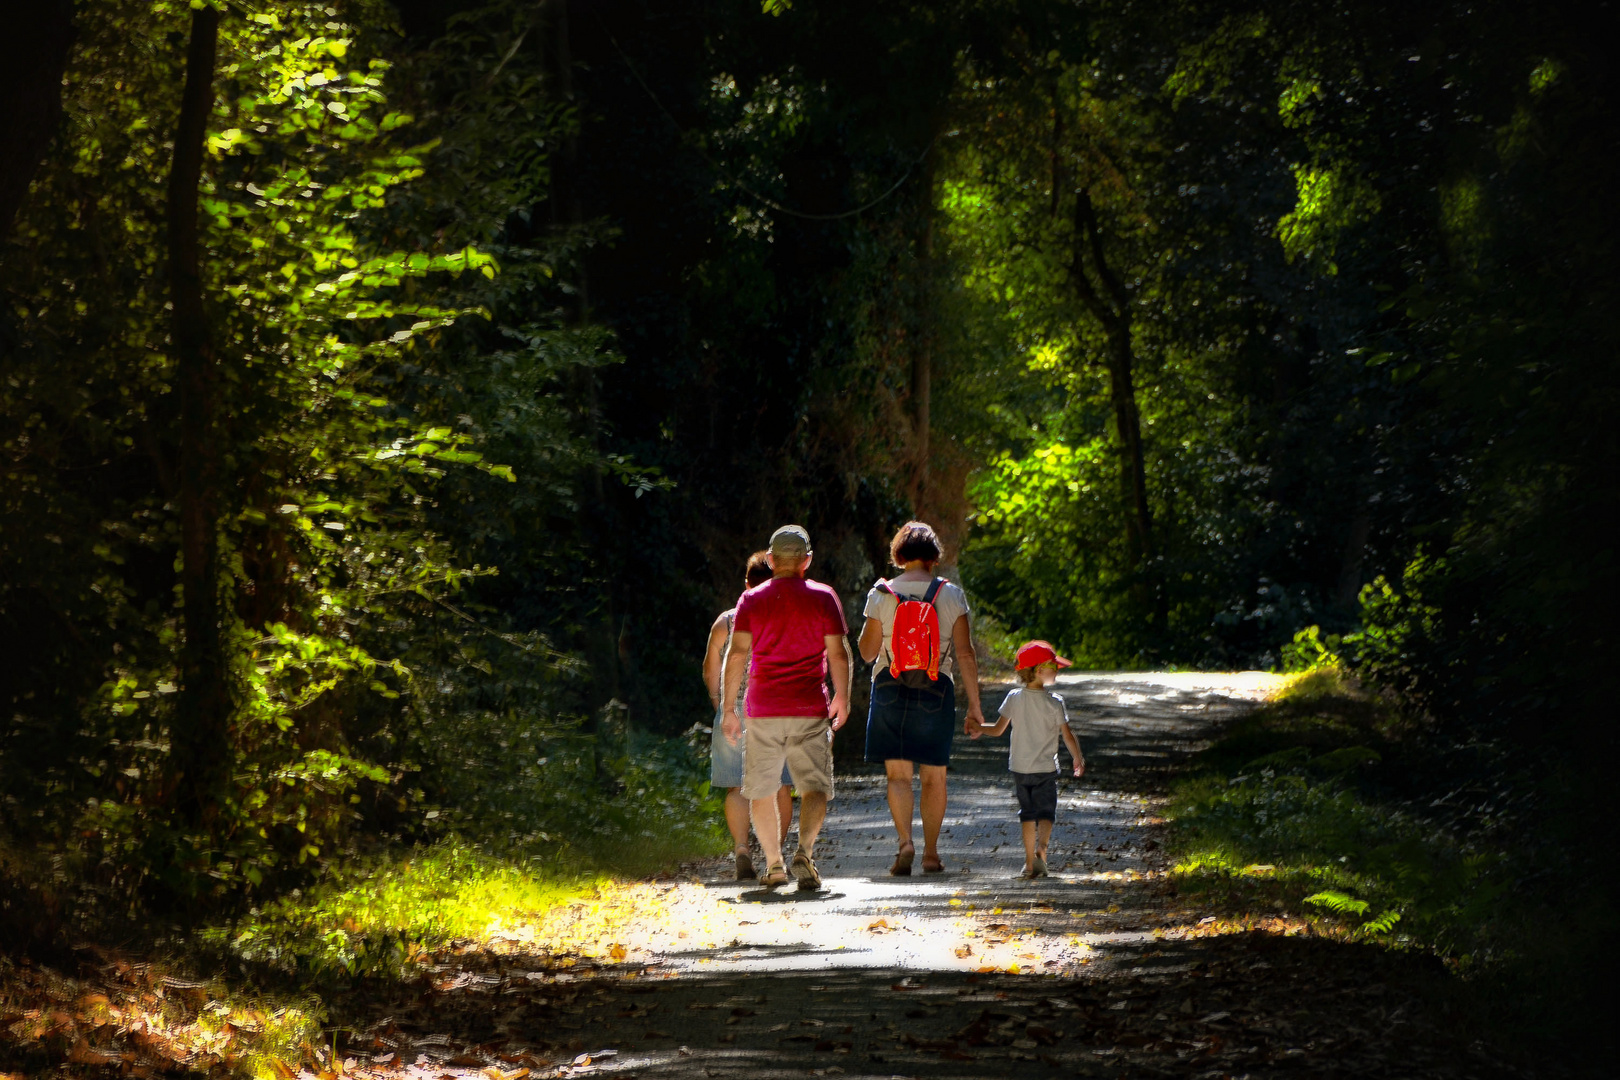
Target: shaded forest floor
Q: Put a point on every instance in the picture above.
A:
(1098, 970)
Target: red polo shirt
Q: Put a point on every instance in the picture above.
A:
(789, 620)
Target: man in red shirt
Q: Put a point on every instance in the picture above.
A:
(790, 635)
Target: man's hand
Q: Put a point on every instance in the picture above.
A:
(973, 725)
(1079, 767)
(731, 726)
(840, 711)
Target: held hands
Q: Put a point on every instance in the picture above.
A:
(1079, 767)
(973, 725)
(731, 725)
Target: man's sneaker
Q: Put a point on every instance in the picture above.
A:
(804, 868)
(745, 867)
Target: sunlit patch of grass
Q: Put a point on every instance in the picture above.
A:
(376, 916)
(1290, 811)
(1330, 681)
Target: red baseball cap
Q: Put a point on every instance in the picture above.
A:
(1035, 653)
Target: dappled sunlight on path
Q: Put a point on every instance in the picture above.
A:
(1098, 970)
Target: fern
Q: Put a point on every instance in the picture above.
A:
(1343, 903)
(1383, 924)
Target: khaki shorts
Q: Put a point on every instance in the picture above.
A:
(804, 742)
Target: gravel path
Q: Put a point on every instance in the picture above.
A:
(1096, 970)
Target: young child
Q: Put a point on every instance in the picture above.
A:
(1038, 719)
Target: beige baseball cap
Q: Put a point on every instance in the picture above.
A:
(790, 542)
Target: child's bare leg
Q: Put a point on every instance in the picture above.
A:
(1029, 845)
(1043, 837)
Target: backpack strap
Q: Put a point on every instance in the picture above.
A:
(884, 587)
(933, 591)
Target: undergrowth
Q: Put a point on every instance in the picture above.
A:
(373, 915)
(1329, 801)
(1306, 804)
(250, 995)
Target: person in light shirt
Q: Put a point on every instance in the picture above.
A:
(1038, 720)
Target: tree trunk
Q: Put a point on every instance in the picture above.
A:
(33, 56)
(1128, 425)
(1110, 303)
(922, 380)
(201, 739)
(922, 344)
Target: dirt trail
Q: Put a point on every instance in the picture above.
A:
(1096, 970)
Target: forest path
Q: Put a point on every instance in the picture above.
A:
(1096, 970)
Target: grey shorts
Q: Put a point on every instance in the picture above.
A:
(726, 761)
(1037, 795)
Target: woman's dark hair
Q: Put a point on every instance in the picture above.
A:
(915, 540)
(759, 569)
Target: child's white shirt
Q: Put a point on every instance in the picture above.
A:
(1036, 717)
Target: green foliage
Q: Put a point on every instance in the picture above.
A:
(553, 830)
(354, 473)
(1322, 817)
(372, 918)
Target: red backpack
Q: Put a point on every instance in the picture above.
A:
(914, 645)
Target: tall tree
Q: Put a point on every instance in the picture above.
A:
(201, 735)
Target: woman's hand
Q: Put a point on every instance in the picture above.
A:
(973, 725)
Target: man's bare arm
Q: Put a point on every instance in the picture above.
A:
(840, 667)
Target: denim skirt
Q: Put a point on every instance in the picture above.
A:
(910, 725)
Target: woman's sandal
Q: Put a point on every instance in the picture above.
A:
(935, 867)
(902, 861)
(775, 877)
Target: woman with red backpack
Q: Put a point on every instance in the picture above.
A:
(918, 633)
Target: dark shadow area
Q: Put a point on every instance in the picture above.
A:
(1252, 1004)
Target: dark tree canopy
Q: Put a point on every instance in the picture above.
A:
(390, 393)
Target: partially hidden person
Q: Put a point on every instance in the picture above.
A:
(725, 757)
(1038, 719)
(788, 636)
(918, 633)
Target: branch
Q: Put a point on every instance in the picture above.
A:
(1086, 214)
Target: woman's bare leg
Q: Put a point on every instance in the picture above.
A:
(900, 802)
(933, 811)
(737, 820)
